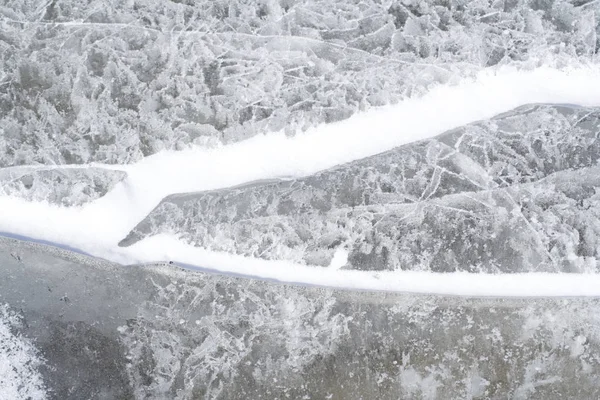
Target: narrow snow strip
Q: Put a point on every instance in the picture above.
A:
(455, 284)
(166, 248)
(97, 227)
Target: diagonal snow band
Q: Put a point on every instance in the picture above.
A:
(98, 227)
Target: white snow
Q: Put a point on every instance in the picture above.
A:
(340, 258)
(96, 228)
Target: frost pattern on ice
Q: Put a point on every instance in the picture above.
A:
(111, 82)
(231, 333)
(19, 361)
(61, 186)
(266, 157)
(219, 337)
(511, 194)
(186, 335)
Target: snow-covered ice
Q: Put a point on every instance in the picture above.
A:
(97, 227)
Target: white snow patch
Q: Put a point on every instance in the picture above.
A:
(19, 378)
(97, 227)
(340, 258)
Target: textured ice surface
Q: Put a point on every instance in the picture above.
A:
(63, 186)
(114, 81)
(19, 360)
(156, 331)
(515, 193)
(264, 157)
(117, 82)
